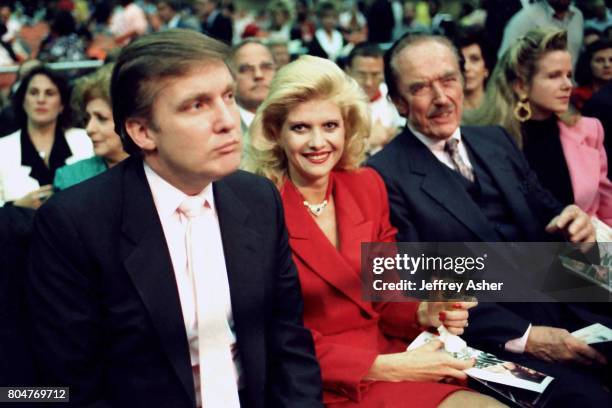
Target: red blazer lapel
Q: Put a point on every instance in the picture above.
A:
(310, 245)
(353, 226)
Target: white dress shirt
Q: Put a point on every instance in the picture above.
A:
(436, 146)
(246, 116)
(167, 199)
(383, 110)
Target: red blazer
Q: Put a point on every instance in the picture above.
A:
(588, 167)
(349, 332)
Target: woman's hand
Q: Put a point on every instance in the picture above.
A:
(425, 363)
(36, 198)
(453, 315)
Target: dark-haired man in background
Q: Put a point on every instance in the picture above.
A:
(168, 280)
(171, 15)
(213, 22)
(365, 65)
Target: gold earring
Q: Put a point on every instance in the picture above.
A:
(522, 111)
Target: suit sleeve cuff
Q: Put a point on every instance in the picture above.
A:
(518, 345)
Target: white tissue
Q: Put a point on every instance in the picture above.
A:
(452, 342)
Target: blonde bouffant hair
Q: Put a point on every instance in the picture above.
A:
(518, 63)
(306, 79)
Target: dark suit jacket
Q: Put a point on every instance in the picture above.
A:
(105, 305)
(15, 355)
(220, 28)
(429, 206)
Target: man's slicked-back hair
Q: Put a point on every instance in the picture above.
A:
(144, 64)
(366, 49)
(409, 40)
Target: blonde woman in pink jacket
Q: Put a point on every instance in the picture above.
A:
(529, 95)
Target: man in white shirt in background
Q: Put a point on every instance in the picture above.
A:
(558, 14)
(365, 64)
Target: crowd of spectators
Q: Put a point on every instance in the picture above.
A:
(76, 30)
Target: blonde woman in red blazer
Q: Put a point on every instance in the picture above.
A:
(308, 138)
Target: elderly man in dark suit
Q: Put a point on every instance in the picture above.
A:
(448, 183)
(168, 281)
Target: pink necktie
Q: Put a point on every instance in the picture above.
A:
(218, 382)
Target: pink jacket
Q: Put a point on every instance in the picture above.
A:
(588, 167)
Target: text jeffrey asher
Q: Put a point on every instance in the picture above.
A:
(478, 285)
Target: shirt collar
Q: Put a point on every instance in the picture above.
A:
(174, 21)
(211, 17)
(431, 143)
(246, 116)
(167, 197)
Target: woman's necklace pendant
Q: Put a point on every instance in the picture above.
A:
(316, 209)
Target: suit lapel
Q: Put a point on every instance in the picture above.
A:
(497, 163)
(147, 261)
(441, 187)
(312, 247)
(353, 227)
(242, 250)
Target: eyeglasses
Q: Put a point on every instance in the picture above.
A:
(265, 67)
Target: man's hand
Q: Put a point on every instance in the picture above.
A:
(553, 344)
(425, 363)
(574, 223)
(453, 315)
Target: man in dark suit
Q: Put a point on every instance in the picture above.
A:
(169, 12)
(462, 184)
(214, 23)
(123, 265)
